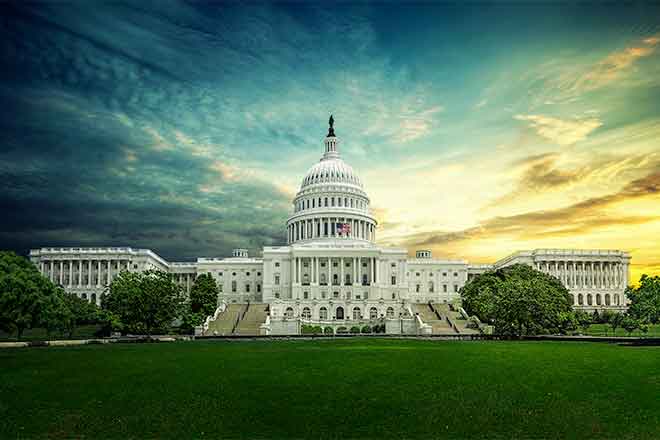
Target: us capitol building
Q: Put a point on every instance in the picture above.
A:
(332, 273)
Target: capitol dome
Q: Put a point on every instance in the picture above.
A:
(331, 170)
(331, 202)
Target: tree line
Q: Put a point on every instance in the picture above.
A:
(149, 302)
(520, 300)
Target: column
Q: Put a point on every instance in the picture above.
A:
(355, 276)
(341, 271)
(329, 271)
(359, 270)
(376, 269)
(60, 274)
(298, 269)
(89, 273)
(317, 268)
(109, 271)
(79, 273)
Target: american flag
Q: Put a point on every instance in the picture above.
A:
(343, 228)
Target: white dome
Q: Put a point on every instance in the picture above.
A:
(332, 170)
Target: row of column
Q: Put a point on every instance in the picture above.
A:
(315, 271)
(326, 227)
(64, 273)
(587, 274)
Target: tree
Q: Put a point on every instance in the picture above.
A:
(616, 321)
(56, 315)
(584, 320)
(144, 302)
(24, 294)
(518, 300)
(204, 295)
(645, 299)
(630, 324)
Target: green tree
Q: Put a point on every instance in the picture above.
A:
(645, 299)
(204, 295)
(615, 321)
(584, 320)
(24, 294)
(518, 300)
(630, 323)
(145, 302)
(55, 314)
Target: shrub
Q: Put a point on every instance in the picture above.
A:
(317, 330)
(328, 331)
(307, 329)
(342, 330)
(355, 329)
(366, 329)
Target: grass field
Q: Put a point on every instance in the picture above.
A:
(353, 388)
(606, 330)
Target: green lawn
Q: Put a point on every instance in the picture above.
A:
(606, 330)
(332, 389)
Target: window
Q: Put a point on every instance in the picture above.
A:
(390, 312)
(247, 288)
(219, 274)
(220, 288)
(323, 294)
(393, 264)
(607, 299)
(455, 288)
(322, 264)
(444, 288)
(335, 264)
(277, 294)
(233, 286)
(580, 300)
(323, 313)
(305, 295)
(233, 274)
(366, 295)
(373, 313)
(258, 287)
(135, 266)
(431, 286)
(277, 279)
(84, 296)
(305, 264)
(347, 281)
(288, 313)
(598, 299)
(393, 295)
(277, 264)
(247, 274)
(589, 299)
(364, 264)
(323, 280)
(306, 313)
(455, 274)
(394, 280)
(335, 295)
(444, 274)
(335, 279)
(258, 274)
(356, 313)
(208, 274)
(417, 274)
(417, 288)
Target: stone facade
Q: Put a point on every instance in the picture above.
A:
(331, 269)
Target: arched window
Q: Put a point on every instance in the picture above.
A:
(339, 313)
(323, 313)
(580, 299)
(616, 300)
(598, 299)
(607, 299)
(306, 313)
(84, 296)
(326, 202)
(288, 313)
(590, 301)
(356, 313)
(390, 312)
(373, 313)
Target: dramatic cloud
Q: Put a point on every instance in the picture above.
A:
(562, 132)
(186, 127)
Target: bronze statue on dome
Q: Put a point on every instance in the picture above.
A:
(331, 130)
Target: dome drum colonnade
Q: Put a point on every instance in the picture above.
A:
(331, 196)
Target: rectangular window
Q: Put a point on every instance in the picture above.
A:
(455, 287)
(233, 286)
(247, 287)
(277, 264)
(258, 287)
(444, 288)
(220, 288)
(393, 280)
(277, 279)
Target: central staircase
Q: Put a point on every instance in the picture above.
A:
(439, 325)
(239, 319)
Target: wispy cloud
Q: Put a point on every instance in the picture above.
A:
(561, 131)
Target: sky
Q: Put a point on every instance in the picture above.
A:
(478, 129)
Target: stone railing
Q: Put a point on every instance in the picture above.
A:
(201, 329)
